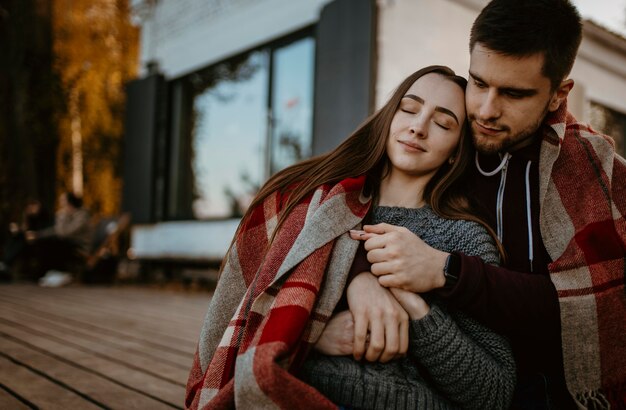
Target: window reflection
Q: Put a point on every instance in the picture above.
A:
(292, 100)
(228, 138)
(234, 143)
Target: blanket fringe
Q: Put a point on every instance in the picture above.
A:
(592, 400)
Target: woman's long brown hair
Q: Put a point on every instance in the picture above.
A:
(364, 152)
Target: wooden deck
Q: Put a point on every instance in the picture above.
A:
(94, 347)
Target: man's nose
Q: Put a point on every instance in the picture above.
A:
(490, 106)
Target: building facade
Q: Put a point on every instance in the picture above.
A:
(234, 90)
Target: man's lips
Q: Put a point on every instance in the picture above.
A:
(487, 130)
(413, 146)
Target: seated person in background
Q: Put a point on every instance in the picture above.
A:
(35, 218)
(68, 241)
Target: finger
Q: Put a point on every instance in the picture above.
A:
(382, 268)
(356, 234)
(379, 228)
(377, 341)
(377, 255)
(360, 334)
(389, 280)
(375, 241)
(392, 340)
(404, 336)
(360, 235)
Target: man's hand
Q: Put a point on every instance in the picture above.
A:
(401, 259)
(338, 335)
(374, 308)
(411, 302)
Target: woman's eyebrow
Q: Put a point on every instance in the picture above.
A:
(437, 108)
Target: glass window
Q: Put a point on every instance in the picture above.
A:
(611, 123)
(229, 129)
(292, 104)
(240, 121)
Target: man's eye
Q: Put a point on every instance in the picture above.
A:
(513, 94)
(479, 84)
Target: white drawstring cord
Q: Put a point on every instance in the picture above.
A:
(505, 160)
(528, 217)
(500, 199)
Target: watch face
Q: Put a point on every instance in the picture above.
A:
(451, 270)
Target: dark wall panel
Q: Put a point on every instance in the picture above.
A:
(345, 70)
(143, 107)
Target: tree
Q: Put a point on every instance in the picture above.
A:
(95, 49)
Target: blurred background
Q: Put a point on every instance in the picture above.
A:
(166, 116)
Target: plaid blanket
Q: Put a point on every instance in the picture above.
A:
(583, 225)
(271, 303)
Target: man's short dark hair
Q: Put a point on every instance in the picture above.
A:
(522, 28)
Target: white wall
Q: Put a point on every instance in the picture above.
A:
(185, 35)
(415, 33)
(601, 71)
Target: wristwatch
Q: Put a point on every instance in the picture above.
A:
(451, 270)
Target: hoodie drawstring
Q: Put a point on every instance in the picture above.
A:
(500, 200)
(528, 218)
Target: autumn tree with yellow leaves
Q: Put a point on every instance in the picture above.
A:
(63, 68)
(95, 49)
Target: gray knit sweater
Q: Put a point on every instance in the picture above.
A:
(453, 361)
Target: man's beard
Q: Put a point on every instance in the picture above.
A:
(488, 145)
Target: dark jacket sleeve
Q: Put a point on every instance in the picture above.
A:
(521, 306)
(469, 364)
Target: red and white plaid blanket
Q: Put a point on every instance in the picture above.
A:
(271, 305)
(583, 225)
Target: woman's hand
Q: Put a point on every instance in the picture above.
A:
(374, 308)
(411, 302)
(338, 335)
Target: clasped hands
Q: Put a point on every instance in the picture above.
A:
(384, 300)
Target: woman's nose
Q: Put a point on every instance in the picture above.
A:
(419, 126)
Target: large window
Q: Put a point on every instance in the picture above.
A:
(239, 122)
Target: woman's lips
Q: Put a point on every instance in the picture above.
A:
(412, 146)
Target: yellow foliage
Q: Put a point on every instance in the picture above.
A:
(96, 54)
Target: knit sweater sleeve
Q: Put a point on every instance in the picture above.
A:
(468, 363)
(472, 239)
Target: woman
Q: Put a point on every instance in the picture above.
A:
(288, 264)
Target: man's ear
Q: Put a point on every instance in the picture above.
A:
(560, 94)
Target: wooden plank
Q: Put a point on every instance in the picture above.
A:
(124, 325)
(138, 381)
(40, 391)
(102, 392)
(133, 352)
(111, 347)
(8, 400)
(153, 320)
(147, 304)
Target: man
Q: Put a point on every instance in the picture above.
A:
(555, 192)
(64, 244)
